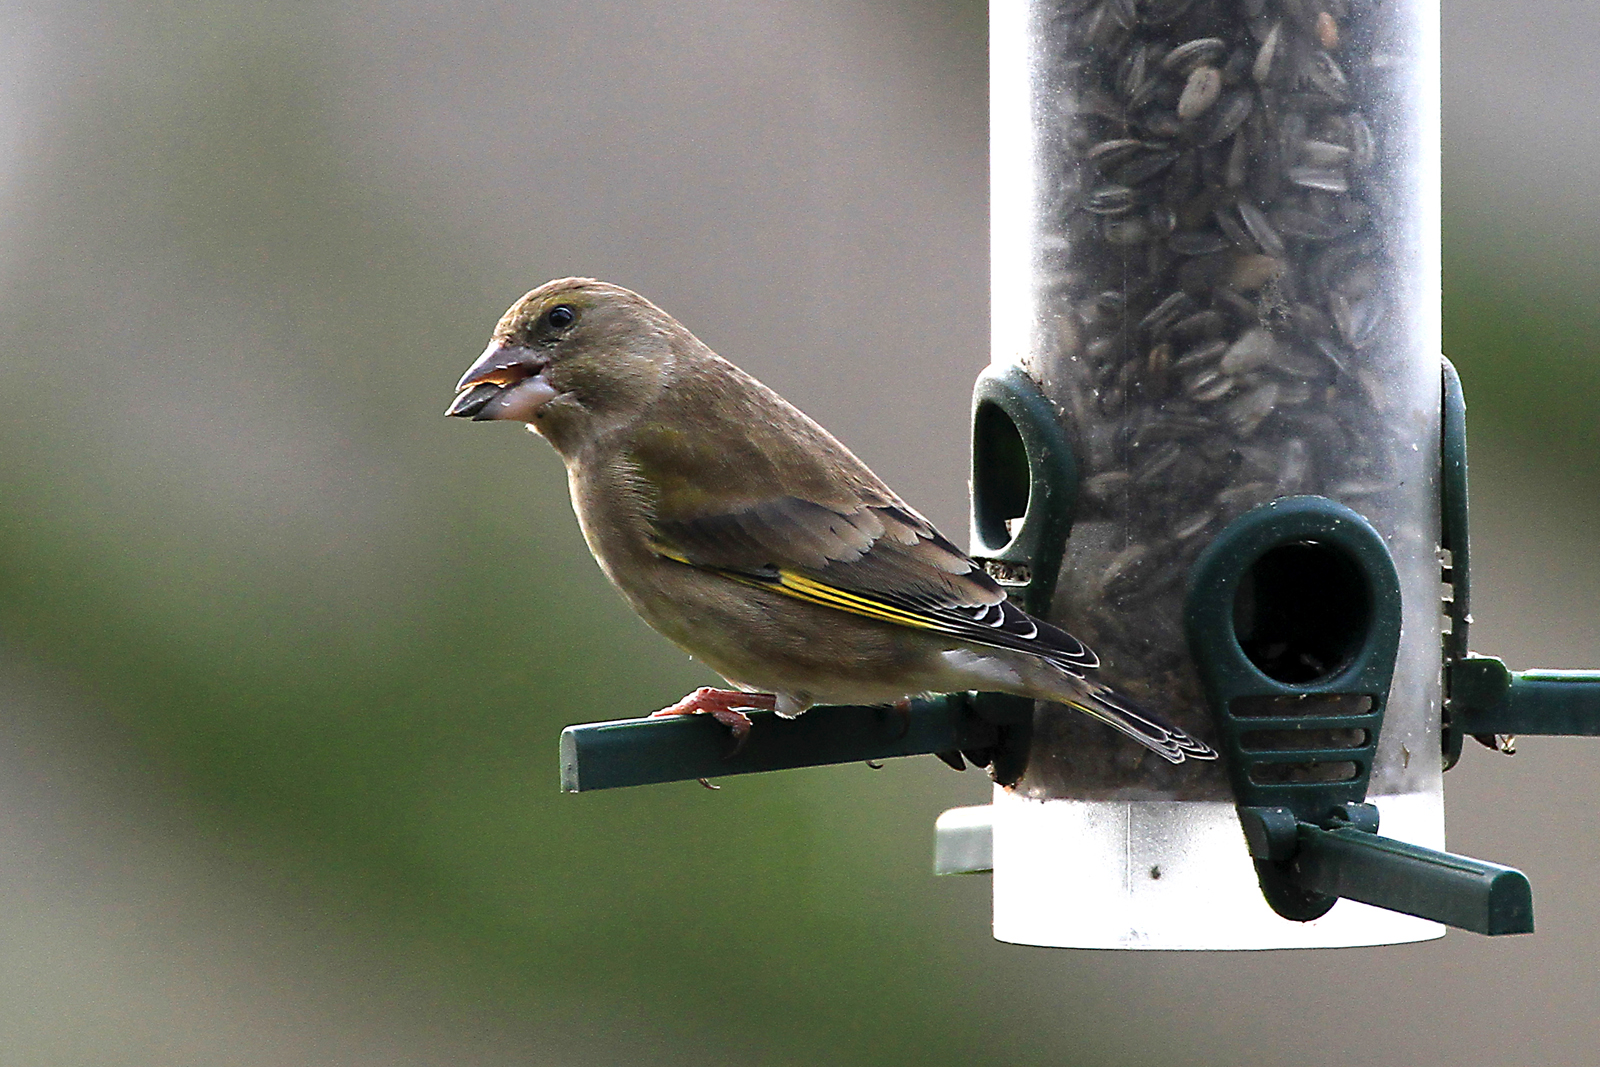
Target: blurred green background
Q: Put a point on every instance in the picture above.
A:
(284, 653)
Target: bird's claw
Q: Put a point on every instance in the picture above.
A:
(738, 723)
(727, 706)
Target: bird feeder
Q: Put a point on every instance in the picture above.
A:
(1216, 442)
(1215, 245)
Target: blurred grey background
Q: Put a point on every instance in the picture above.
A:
(284, 654)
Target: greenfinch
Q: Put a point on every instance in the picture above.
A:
(750, 537)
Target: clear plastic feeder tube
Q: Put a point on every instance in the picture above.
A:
(1216, 247)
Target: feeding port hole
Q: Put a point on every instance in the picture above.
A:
(1302, 612)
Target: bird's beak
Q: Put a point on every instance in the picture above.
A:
(507, 382)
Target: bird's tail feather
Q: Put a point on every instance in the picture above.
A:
(1120, 713)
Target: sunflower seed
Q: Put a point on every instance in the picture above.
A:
(1200, 91)
(1184, 58)
(1142, 166)
(1325, 74)
(1199, 354)
(1235, 173)
(1323, 153)
(1253, 349)
(1206, 323)
(1327, 30)
(1267, 54)
(1111, 200)
(1209, 385)
(1228, 115)
(1261, 230)
(1108, 154)
(1246, 413)
(1167, 312)
(1363, 149)
(1327, 179)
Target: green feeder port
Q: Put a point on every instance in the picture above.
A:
(1294, 616)
(1024, 492)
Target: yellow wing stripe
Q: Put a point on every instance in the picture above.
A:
(676, 557)
(803, 588)
(798, 586)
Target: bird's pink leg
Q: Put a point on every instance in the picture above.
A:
(722, 705)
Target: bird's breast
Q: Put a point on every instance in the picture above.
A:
(613, 507)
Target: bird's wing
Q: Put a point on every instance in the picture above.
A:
(879, 559)
(758, 492)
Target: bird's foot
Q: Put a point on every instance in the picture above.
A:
(724, 705)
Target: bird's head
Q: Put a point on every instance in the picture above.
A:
(571, 359)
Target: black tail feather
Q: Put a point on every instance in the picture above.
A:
(1116, 711)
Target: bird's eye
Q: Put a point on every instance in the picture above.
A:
(562, 315)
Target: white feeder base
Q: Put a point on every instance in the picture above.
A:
(1170, 875)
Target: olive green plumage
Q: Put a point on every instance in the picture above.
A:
(748, 535)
